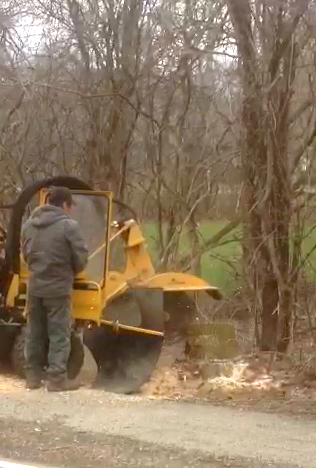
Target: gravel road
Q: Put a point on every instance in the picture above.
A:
(88, 425)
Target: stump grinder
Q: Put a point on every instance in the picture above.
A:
(121, 308)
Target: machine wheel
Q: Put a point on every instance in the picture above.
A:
(17, 356)
(75, 362)
(76, 357)
(126, 360)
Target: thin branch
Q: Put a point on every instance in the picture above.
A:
(100, 96)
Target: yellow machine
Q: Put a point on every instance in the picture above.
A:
(121, 308)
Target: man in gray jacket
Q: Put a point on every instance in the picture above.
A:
(55, 252)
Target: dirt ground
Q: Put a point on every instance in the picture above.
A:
(87, 427)
(48, 446)
(250, 412)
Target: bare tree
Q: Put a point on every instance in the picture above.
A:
(270, 39)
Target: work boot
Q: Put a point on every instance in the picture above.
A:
(33, 384)
(62, 386)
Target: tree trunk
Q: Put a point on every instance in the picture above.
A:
(270, 314)
(268, 73)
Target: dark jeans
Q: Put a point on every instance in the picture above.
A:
(48, 337)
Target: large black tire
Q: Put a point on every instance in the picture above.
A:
(17, 356)
(76, 357)
(126, 360)
(75, 362)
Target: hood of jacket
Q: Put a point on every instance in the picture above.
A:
(46, 215)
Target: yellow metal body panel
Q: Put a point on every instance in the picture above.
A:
(88, 301)
(139, 266)
(13, 291)
(90, 297)
(87, 304)
(138, 260)
(173, 281)
(139, 269)
(24, 274)
(116, 284)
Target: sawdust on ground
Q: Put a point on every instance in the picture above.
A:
(256, 380)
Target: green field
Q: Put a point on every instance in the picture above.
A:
(220, 265)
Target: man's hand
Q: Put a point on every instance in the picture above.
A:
(82, 275)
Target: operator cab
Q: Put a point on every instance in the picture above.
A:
(92, 211)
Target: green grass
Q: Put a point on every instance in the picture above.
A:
(221, 264)
(309, 251)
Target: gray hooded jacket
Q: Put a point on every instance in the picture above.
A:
(54, 250)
